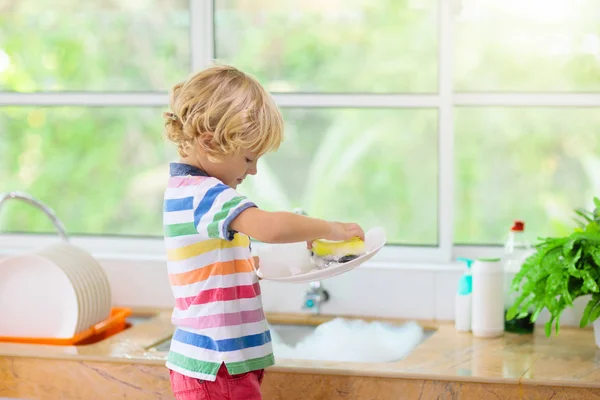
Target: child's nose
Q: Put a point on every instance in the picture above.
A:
(253, 170)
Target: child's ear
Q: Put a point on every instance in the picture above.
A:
(204, 140)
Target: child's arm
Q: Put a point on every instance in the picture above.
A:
(285, 227)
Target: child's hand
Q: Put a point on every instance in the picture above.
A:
(256, 262)
(343, 231)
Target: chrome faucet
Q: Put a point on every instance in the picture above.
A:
(314, 297)
(39, 205)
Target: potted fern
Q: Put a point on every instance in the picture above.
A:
(561, 270)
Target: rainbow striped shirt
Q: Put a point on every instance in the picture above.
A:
(218, 311)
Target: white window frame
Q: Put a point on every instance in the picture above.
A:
(445, 100)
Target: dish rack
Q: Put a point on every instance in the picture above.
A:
(115, 323)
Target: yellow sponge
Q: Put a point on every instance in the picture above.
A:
(334, 250)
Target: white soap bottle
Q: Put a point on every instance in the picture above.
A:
(463, 304)
(488, 298)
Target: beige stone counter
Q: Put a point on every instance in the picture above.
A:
(570, 359)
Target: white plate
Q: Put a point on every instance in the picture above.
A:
(93, 283)
(96, 275)
(37, 299)
(57, 254)
(88, 286)
(85, 288)
(374, 241)
(103, 299)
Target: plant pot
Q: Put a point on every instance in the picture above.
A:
(597, 332)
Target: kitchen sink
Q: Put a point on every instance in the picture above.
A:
(287, 336)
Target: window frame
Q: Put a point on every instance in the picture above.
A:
(445, 100)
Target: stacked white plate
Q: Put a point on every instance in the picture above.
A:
(56, 292)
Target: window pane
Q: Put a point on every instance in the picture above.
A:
(535, 164)
(528, 45)
(103, 170)
(375, 167)
(70, 45)
(333, 45)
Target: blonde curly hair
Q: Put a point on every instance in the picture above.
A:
(223, 110)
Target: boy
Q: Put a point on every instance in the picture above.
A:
(223, 121)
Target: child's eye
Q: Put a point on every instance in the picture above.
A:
(248, 160)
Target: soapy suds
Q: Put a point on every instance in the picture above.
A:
(352, 341)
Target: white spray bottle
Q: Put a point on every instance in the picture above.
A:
(463, 305)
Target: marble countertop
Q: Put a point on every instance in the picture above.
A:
(569, 359)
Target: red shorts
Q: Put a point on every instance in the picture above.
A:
(226, 387)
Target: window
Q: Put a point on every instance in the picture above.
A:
(115, 46)
(101, 169)
(529, 46)
(351, 46)
(533, 163)
(330, 155)
(441, 120)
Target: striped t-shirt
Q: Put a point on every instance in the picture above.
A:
(218, 311)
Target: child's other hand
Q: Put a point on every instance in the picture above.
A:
(343, 231)
(256, 262)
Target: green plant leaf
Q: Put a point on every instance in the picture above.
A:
(592, 227)
(595, 313)
(585, 214)
(589, 282)
(585, 318)
(572, 264)
(512, 312)
(595, 254)
(537, 312)
(566, 295)
(548, 328)
(553, 282)
(568, 247)
(514, 309)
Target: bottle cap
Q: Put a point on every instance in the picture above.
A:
(489, 260)
(518, 226)
(467, 261)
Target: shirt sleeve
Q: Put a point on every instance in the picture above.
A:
(217, 206)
